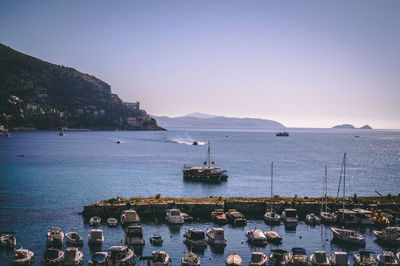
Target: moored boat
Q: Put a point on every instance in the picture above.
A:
(112, 222)
(156, 240)
(233, 259)
(206, 173)
(195, 237)
(270, 216)
(95, 221)
(173, 216)
(190, 259)
(216, 236)
(312, 219)
(236, 218)
(218, 216)
(99, 259)
(134, 235)
(339, 258)
(289, 217)
(8, 240)
(53, 256)
(389, 235)
(326, 217)
(55, 237)
(120, 255)
(23, 257)
(364, 258)
(72, 257)
(278, 257)
(319, 258)
(95, 237)
(258, 258)
(387, 258)
(348, 236)
(129, 217)
(298, 257)
(256, 237)
(364, 217)
(73, 239)
(273, 236)
(159, 258)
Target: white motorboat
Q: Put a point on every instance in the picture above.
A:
(95, 237)
(53, 256)
(289, 217)
(348, 236)
(278, 257)
(313, 219)
(55, 238)
(387, 258)
(346, 217)
(364, 216)
(236, 218)
(365, 258)
(326, 217)
(216, 236)
(339, 258)
(8, 240)
(273, 236)
(134, 235)
(112, 222)
(73, 239)
(159, 258)
(186, 217)
(156, 240)
(271, 217)
(190, 259)
(195, 237)
(173, 216)
(319, 258)
(95, 221)
(130, 217)
(398, 256)
(298, 257)
(258, 258)
(99, 259)
(23, 257)
(72, 257)
(120, 255)
(390, 235)
(256, 237)
(233, 260)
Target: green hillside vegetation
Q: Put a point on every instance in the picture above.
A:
(39, 95)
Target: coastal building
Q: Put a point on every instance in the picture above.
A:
(79, 111)
(102, 112)
(133, 106)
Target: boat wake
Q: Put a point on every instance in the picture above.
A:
(187, 141)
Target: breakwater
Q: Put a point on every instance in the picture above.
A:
(153, 208)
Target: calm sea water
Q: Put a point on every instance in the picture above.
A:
(58, 175)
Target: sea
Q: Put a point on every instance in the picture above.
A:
(58, 175)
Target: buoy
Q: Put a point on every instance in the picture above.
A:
(300, 237)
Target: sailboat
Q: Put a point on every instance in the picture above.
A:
(341, 234)
(205, 173)
(326, 217)
(271, 217)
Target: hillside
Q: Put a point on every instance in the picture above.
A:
(216, 122)
(35, 94)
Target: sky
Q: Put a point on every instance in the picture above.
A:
(304, 63)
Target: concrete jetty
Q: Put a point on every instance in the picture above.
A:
(201, 208)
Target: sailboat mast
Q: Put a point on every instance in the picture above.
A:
(272, 176)
(208, 155)
(326, 189)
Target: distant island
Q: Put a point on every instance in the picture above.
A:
(35, 94)
(349, 126)
(206, 121)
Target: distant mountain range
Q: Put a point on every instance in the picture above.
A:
(348, 126)
(205, 121)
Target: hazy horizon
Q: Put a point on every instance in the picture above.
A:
(304, 64)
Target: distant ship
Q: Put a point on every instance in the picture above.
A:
(282, 134)
(206, 173)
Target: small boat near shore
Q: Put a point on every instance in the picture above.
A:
(387, 258)
(339, 258)
(129, 217)
(95, 221)
(8, 240)
(95, 237)
(120, 255)
(73, 239)
(195, 237)
(271, 217)
(53, 256)
(55, 238)
(278, 257)
(98, 259)
(389, 235)
(134, 235)
(290, 217)
(23, 257)
(273, 237)
(156, 240)
(236, 218)
(326, 216)
(218, 216)
(72, 257)
(112, 222)
(216, 236)
(258, 258)
(174, 216)
(364, 258)
(256, 237)
(298, 257)
(312, 219)
(319, 258)
(234, 259)
(348, 236)
(190, 259)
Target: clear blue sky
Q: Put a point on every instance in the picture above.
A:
(303, 63)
